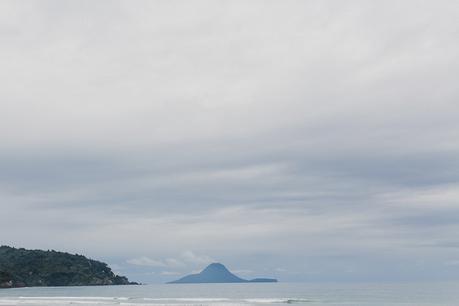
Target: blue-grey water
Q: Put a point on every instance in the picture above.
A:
(266, 294)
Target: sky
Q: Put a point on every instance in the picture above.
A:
(302, 140)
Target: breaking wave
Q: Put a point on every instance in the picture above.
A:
(130, 301)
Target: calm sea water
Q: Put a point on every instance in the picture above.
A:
(239, 294)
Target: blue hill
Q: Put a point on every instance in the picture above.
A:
(217, 273)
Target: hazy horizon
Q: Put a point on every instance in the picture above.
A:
(301, 140)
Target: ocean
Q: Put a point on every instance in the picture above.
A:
(265, 294)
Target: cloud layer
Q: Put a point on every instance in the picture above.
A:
(305, 140)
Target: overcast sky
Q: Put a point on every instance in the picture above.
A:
(303, 140)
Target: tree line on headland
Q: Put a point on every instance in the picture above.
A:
(28, 268)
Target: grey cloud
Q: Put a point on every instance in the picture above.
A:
(247, 131)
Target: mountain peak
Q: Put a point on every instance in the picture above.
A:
(215, 273)
(216, 266)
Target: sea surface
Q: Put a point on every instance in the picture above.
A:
(263, 294)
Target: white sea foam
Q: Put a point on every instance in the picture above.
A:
(428, 294)
(266, 301)
(189, 299)
(126, 301)
(71, 298)
(277, 300)
(62, 300)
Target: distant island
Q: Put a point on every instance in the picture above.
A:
(30, 268)
(218, 273)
